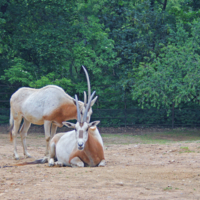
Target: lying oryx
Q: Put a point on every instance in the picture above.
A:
(49, 105)
(82, 146)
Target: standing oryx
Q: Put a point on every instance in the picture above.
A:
(49, 105)
(82, 146)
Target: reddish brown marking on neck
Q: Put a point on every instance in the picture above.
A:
(93, 152)
(62, 113)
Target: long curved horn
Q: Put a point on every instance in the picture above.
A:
(85, 99)
(88, 82)
(78, 111)
(87, 107)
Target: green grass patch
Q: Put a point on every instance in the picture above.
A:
(168, 188)
(154, 139)
(165, 137)
(185, 150)
(115, 135)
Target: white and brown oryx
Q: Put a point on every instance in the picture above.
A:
(78, 148)
(49, 105)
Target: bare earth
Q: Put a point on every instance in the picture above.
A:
(133, 171)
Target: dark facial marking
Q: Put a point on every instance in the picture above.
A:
(81, 134)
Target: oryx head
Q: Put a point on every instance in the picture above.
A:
(84, 109)
(82, 125)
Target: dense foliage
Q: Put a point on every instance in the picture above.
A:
(144, 52)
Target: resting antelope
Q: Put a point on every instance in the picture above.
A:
(49, 105)
(82, 146)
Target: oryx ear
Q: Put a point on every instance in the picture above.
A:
(74, 100)
(93, 101)
(94, 123)
(69, 124)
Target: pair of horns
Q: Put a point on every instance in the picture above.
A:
(86, 110)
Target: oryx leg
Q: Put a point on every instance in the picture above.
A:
(76, 162)
(102, 163)
(47, 131)
(52, 148)
(14, 135)
(53, 130)
(52, 152)
(23, 133)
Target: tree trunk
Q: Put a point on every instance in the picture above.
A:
(164, 4)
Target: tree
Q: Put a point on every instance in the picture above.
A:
(173, 76)
(48, 42)
(137, 27)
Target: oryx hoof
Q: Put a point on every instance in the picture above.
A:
(78, 164)
(16, 157)
(45, 159)
(51, 163)
(58, 164)
(102, 163)
(27, 156)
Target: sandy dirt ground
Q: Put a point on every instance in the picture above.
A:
(133, 171)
